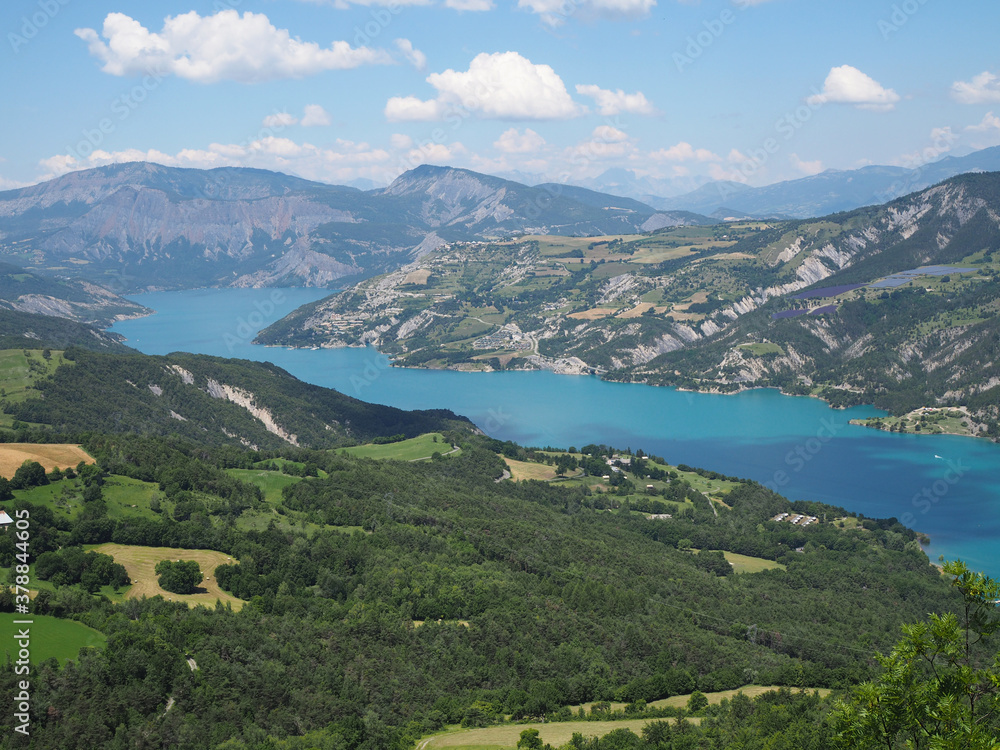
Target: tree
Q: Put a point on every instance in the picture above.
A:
(181, 577)
(530, 740)
(937, 690)
(29, 474)
(697, 702)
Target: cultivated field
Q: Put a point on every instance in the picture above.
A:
(51, 637)
(555, 734)
(418, 278)
(746, 564)
(681, 701)
(595, 313)
(12, 455)
(414, 449)
(520, 470)
(141, 561)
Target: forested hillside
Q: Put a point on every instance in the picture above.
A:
(893, 305)
(32, 331)
(211, 401)
(386, 599)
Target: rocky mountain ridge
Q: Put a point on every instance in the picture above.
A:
(160, 227)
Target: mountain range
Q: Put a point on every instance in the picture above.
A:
(829, 192)
(144, 226)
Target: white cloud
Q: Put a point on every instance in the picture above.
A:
(500, 86)
(470, 5)
(942, 140)
(401, 141)
(555, 12)
(315, 116)
(410, 109)
(608, 134)
(848, 85)
(343, 161)
(806, 167)
(415, 57)
(225, 46)
(513, 142)
(605, 143)
(990, 122)
(615, 102)
(983, 88)
(443, 154)
(684, 151)
(6, 184)
(280, 120)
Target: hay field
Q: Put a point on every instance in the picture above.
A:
(140, 563)
(12, 455)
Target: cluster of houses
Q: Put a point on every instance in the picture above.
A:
(796, 518)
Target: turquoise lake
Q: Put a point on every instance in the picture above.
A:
(945, 486)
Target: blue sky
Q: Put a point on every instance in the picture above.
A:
(339, 90)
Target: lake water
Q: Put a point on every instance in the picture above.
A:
(945, 486)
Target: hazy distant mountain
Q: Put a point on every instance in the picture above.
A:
(74, 299)
(650, 190)
(829, 192)
(161, 227)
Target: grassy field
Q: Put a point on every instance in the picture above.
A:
(414, 449)
(681, 701)
(520, 470)
(19, 369)
(271, 483)
(12, 455)
(123, 496)
(759, 350)
(747, 564)
(505, 737)
(50, 637)
(141, 561)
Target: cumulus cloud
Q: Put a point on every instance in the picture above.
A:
(500, 86)
(605, 143)
(983, 88)
(556, 12)
(401, 141)
(415, 57)
(513, 142)
(342, 161)
(684, 151)
(222, 47)
(615, 102)
(848, 85)
(315, 116)
(280, 120)
(806, 167)
(990, 122)
(470, 5)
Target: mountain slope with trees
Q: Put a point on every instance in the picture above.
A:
(813, 306)
(211, 401)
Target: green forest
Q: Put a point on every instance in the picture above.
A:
(386, 601)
